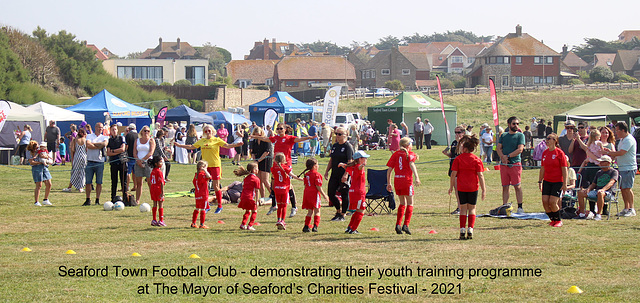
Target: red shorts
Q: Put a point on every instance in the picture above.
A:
(357, 200)
(214, 172)
(311, 202)
(248, 204)
(511, 174)
(201, 202)
(156, 197)
(282, 197)
(403, 186)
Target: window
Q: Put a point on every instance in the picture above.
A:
(549, 80)
(291, 84)
(518, 79)
(244, 83)
(502, 60)
(195, 74)
(269, 82)
(456, 59)
(456, 70)
(385, 71)
(367, 75)
(363, 74)
(537, 60)
(440, 58)
(470, 60)
(492, 60)
(309, 83)
(505, 80)
(518, 60)
(536, 80)
(549, 60)
(373, 73)
(141, 73)
(406, 71)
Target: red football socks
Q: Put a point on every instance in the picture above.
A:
(307, 221)
(472, 221)
(219, 197)
(194, 216)
(400, 214)
(154, 210)
(245, 217)
(407, 215)
(316, 220)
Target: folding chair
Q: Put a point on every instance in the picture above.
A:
(614, 200)
(379, 200)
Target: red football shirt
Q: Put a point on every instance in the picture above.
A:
(358, 180)
(311, 179)
(400, 165)
(156, 181)
(553, 162)
(281, 179)
(283, 145)
(249, 186)
(468, 166)
(200, 181)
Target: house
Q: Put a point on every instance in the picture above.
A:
(168, 62)
(247, 73)
(108, 53)
(447, 57)
(603, 59)
(270, 51)
(99, 54)
(517, 59)
(299, 73)
(393, 64)
(572, 61)
(628, 35)
(628, 62)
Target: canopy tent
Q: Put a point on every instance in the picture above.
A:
(16, 120)
(63, 117)
(282, 103)
(230, 119)
(600, 109)
(96, 109)
(408, 106)
(185, 113)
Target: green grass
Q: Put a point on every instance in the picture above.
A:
(599, 257)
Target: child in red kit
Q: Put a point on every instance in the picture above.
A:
(156, 189)
(201, 183)
(402, 163)
(468, 169)
(311, 198)
(250, 187)
(281, 174)
(357, 191)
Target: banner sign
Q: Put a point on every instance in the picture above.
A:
(331, 105)
(5, 109)
(443, 115)
(162, 114)
(270, 117)
(494, 102)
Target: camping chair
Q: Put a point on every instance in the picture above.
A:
(379, 200)
(617, 195)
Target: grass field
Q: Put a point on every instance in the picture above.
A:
(599, 257)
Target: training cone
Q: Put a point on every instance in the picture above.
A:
(257, 224)
(136, 255)
(433, 231)
(70, 252)
(26, 249)
(374, 229)
(486, 169)
(574, 290)
(220, 222)
(194, 256)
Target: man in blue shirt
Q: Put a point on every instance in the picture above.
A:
(627, 166)
(313, 143)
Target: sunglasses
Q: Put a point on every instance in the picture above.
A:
(339, 134)
(580, 127)
(549, 138)
(458, 132)
(146, 131)
(207, 131)
(279, 128)
(514, 123)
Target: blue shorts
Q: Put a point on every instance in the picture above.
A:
(130, 165)
(593, 195)
(40, 173)
(92, 168)
(626, 177)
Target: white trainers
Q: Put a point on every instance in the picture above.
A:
(598, 217)
(590, 216)
(622, 213)
(272, 209)
(294, 211)
(81, 190)
(46, 202)
(37, 204)
(520, 210)
(630, 213)
(67, 190)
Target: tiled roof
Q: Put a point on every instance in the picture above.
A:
(572, 60)
(99, 54)
(425, 83)
(523, 45)
(419, 60)
(603, 59)
(256, 70)
(167, 49)
(321, 68)
(628, 35)
(628, 58)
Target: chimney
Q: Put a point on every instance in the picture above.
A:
(160, 41)
(291, 47)
(564, 49)
(265, 49)
(273, 44)
(178, 43)
(518, 30)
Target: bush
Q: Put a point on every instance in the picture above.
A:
(196, 105)
(394, 85)
(147, 82)
(621, 77)
(575, 82)
(447, 84)
(183, 82)
(262, 87)
(165, 84)
(601, 74)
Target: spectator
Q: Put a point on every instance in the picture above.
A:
(567, 140)
(130, 138)
(528, 137)
(393, 138)
(487, 140)
(549, 129)
(510, 146)
(96, 143)
(25, 138)
(192, 137)
(428, 130)
(418, 132)
(117, 160)
(354, 137)
(181, 155)
(541, 128)
(600, 188)
(627, 165)
(534, 127)
(52, 136)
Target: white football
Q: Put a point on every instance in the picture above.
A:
(118, 206)
(145, 207)
(108, 206)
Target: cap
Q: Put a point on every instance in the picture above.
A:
(484, 124)
(601, 159)
(132, 126)
(119, 124)
(360, 154)
(43, 144)
(570, 123)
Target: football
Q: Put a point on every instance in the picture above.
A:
(144, 207)
(118, 206)
(108, 206)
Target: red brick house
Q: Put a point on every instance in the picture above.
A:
(247, 73)
(270, 51)
(517, 59)
(299, 73)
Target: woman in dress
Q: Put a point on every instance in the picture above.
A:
(223, 133)
(394, 138)
(354, 137)
(78, 152)
(181, 153)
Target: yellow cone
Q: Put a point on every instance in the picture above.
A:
(194, 256)
(574, 290)
(70, 252)
(136, 255)
(26, 249)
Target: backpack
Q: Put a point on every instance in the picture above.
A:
(502, 210)
(538, 150)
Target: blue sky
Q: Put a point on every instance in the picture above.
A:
(129, 26)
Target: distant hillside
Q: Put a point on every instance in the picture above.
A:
(57, 69)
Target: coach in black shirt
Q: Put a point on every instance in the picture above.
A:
(341, 152)
(115, 148)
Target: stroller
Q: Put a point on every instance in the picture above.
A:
(376, 142)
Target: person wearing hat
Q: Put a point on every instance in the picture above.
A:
(358, 190)
(428, 130)
(487, 143)
(418, 132)
(601, 189)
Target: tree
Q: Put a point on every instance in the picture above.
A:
(601, 74)
(218, 57)
(34, 58)
(325, 46)
(183, 82)
(621, 77)
(133, 55)
(394, 85)
(388, 42)
(592, 46)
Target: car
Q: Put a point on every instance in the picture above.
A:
(383, 92)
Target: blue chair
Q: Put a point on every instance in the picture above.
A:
(379, 200)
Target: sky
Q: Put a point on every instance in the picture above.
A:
(135, 25)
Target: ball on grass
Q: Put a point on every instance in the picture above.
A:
(145, 207)
(108, 206)
(118, 206)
